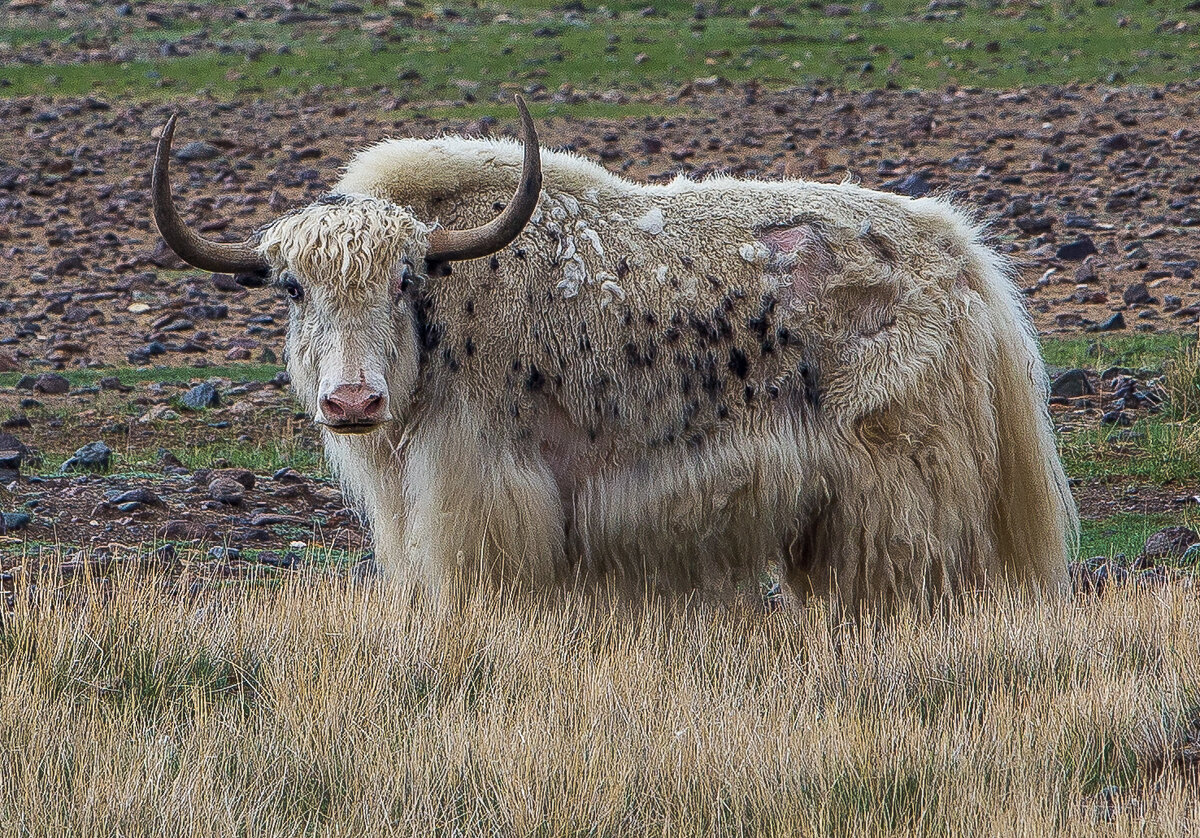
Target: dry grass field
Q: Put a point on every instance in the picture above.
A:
(322, 707)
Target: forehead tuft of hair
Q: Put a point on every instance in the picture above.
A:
(345, 242)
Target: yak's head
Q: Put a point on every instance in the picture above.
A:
(346, 263)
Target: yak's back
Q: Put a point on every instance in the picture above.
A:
(415, 171)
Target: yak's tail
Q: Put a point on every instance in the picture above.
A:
(1034, 521)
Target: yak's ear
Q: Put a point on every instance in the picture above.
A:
(404, 278)
(804, 253)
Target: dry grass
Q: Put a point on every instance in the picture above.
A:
(321, 708)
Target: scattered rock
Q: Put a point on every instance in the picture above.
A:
(915, 185)
(1094, 575)
(1071, 384)
(1033, 225)
(243, 476)
(140, 495)
(201, 397)
(1112, 324)
(1079, 249)
(1138, 295)
(226, 490)
(198, 151)
(51, 384)
(1167, 545)
(95, 456)
(14, 521)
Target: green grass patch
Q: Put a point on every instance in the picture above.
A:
(238, 373)
(1153, 450)
(1101, 352)
(503, 46)
(1125, 533)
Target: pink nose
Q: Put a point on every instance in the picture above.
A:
(353, 404)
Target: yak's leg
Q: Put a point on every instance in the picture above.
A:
(479, 515)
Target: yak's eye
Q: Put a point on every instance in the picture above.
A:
(292, 288)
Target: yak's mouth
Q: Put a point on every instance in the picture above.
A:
(352, 428)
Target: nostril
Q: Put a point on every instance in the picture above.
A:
(332, 408)
(373, 405)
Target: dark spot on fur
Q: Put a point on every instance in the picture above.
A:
(767, 346)
(812, 384)
(494, 263)
(685, 385)
(516, 365)
(784, 335)
(469, 347)
(519, 252)
(498, 206)
(711, 380)
(449, 360)
(514, 410)
(637, 356)
(535, 380)
(671, 335)
(695, 440)
(585, 344)
(627, 319)
(622, 267)
(469, 307)
(748, 394)
(722, 411)
(758, 325)
(686, 261)
(649, 318)
(713, 281)
(723, 326)
(738, 364)
(773, 391)
(703, 328)
(592, 434)
(882, 247)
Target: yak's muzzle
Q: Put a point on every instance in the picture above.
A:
(353, 409)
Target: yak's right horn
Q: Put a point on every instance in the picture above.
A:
(197, 251)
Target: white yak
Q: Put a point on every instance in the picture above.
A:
(531, 371)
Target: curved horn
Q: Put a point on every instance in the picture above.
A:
(199, 252)
(453, 245)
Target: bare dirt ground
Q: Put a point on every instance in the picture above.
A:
(1091, 190)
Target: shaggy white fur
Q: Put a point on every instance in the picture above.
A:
(680, 385)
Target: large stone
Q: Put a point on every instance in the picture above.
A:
(1168, 545)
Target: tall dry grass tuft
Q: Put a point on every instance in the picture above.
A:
(1181, 380)
(321, 708)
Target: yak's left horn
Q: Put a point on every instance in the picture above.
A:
(197, 251)
(452, 245)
